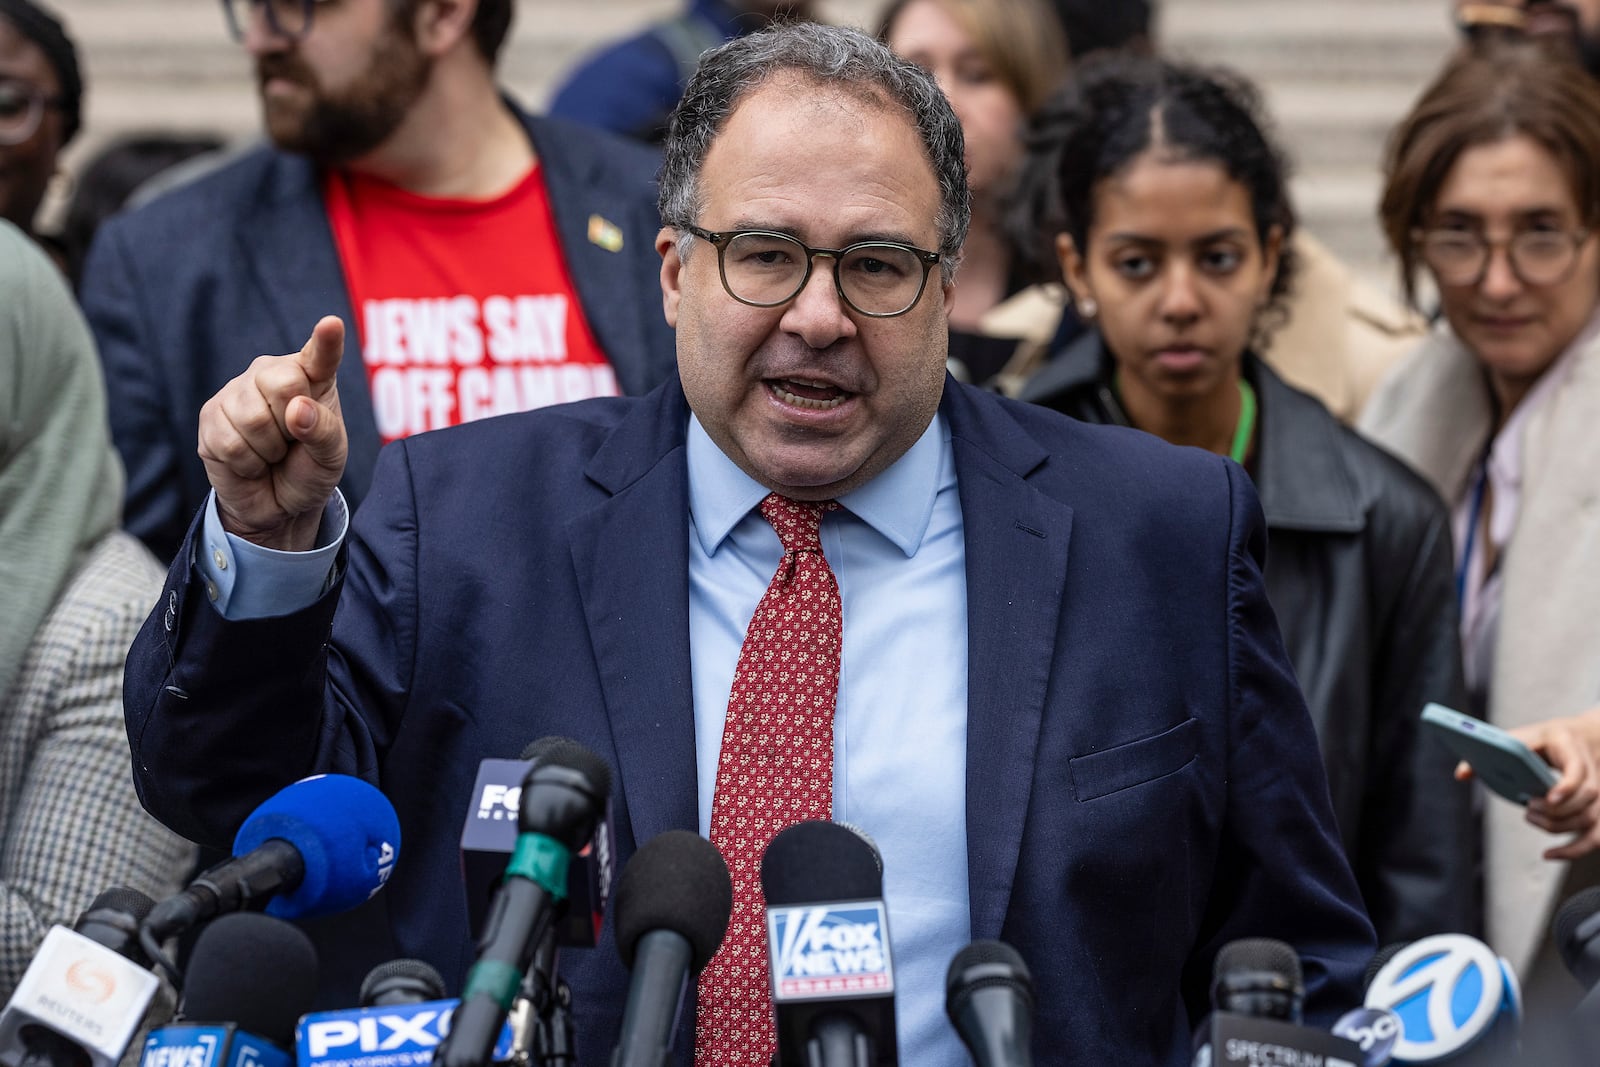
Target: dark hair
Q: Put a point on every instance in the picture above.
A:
(50, 37)
(491, 24)
(1122, 106)
(1104, 25)
(831, 56)
(1504, 91)
(111, 176)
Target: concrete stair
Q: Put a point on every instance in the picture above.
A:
(1336, 75)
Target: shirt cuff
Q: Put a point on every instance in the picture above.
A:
(246, 581)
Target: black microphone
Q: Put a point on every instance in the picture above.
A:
(673, 905)
(401, 982)
(1577, 928)
(828, 948)
(322, 845)
(86, 991)
(489, 835)
(249, 980)
(1257, 994)
(562, 801)
(988, 994)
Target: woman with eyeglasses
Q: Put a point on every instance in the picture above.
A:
(1493, 190)
(41, 94)
(997, 61)
(1175, 251)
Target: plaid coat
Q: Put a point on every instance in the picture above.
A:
(71, 824)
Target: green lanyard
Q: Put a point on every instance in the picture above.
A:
(1245, 428)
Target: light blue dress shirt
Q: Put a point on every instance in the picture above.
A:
(900, 729)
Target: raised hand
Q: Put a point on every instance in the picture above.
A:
(273, 442)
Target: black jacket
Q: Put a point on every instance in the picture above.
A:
(1359, 574)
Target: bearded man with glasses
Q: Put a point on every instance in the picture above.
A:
(487, 260)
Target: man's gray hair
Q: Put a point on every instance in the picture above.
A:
(830, 56)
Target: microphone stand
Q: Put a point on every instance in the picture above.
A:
(552, 1042)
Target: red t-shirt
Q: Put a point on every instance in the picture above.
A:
(465, 308)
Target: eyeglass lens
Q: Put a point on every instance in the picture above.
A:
(21, 108)
(1538, 257)
(285, 18)
(878, 279)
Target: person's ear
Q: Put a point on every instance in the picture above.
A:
(441, 24)
(671, 273)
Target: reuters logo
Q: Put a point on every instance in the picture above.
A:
(95, 985)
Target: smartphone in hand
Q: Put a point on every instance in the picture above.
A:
(1500, 761)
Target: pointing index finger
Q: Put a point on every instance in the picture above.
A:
(322, 352)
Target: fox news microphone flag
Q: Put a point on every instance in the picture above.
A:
(828, 947)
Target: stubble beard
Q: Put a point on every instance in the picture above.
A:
(335, 128)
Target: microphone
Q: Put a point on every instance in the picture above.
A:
(828, 948)
(1577, 929)
(562, 800)
(673, 905)
(1257, 993)
(402, 1020)
(320, 846)
(401, 982)
(489, 836)
(85, 992)
(988, 994)
(250, 978)
(1456, 1000)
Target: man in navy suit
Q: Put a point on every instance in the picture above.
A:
(487, 260)
(1063, 709)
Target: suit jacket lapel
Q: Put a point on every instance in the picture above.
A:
(637, 607)
(287, 246)
(1016, 545)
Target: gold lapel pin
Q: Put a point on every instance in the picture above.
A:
(605, 233)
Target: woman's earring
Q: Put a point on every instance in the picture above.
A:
(1087, 308)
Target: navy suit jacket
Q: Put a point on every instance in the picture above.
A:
(183, 293)
(1143, 783)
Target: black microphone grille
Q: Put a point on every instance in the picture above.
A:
(535, 750)
(1572, 938)
(1381, 960)
(984, 964)
(124, 899)
(252, 970)
(565, 752)
(1259, 954)
(676, 881)
(817, 862)
(401, 982)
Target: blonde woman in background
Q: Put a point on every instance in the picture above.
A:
(76, 590)
(997, 61)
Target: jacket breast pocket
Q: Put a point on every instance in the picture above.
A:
(1112, 770)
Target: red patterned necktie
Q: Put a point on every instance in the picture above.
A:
(775, 769)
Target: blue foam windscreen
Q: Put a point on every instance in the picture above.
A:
(344, 829)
